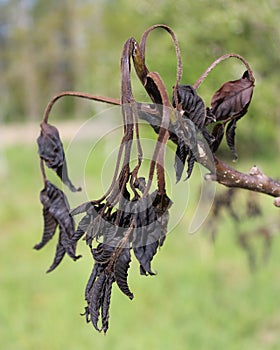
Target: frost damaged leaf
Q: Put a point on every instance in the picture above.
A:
(192, 105)
(192, 109)
(121, 268)
(180, 159)
(50, 225)
(154, 228)
(218, 133)
(51, 151)
(230, 137)
(56, 213)
(233, 98)
(229, 104)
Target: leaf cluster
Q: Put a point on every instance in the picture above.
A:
(130, 217)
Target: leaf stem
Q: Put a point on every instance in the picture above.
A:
(110, 100)
(217, 61)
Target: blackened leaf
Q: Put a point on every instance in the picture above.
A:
(106, 302)
(51, 151)
(192, 105)
(60, 210)
(191, 161)
(87, 222)
(96, 296)
(186, 139)
(50, 225)
(145, 255)
(154, 227)
(99, 297)
(50, 146)
(121, 268)
(56, 213)
(233, 98)
(217, 133)
(97, 269)
(180, 159)
(230, 137)
(59, 255)
(103, 253)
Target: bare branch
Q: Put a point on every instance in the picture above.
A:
(254, 181)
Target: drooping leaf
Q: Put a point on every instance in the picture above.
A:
(180, 159)
(107, 269)
(56, 213)
(106, 302)
(230, 137)
(194, 110)
(218, 134)
(186, 139)
(192, 105)
(96, 295)
(50, 225)
(103, 253)
(191, 161)
(232, 99)
(59, 255)
(86, 224)
(51, 151)
(120, 273)
(153, 226)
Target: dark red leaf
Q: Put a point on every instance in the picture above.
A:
(233, 98)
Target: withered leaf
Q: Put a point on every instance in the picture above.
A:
(59, 255)
(191, 161)
(192, 105)
(96, 296)
(50, 225)
(106, 302)
(145, 256)
(218, 134)
(186, 135)
(154, 227)
(230, 136)
(56, 213)
(86, 224)
(180, 158)
(103, 253)
(232, 99)
(121, 268)
(51, 151)
(230, 103)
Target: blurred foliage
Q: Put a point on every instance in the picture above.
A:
(48, 47)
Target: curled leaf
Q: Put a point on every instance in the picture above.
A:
(192, 105)
(182, 152)
(153, 227)
(229, 104)
(56, 213)
(50, 225)
(121, 268)
(233, 98)
(230, 137)
(51, 151)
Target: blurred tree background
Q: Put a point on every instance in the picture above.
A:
(48, 47)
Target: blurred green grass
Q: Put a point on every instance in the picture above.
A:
(203, 297)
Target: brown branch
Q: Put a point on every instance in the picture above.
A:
(254, 181)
